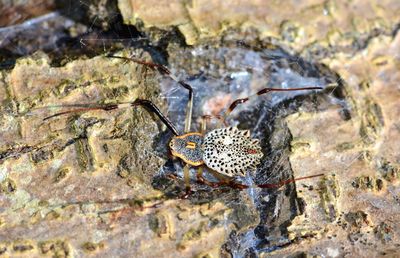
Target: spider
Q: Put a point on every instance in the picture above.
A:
(227, 152)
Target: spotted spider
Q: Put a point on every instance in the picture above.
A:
(227, 152)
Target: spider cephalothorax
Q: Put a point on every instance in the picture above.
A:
(227, 151)
(188, 147)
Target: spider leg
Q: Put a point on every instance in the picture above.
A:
(203, 125)
(223, 180)
(206, 118)
(165, 71)
(146, 104)
(186, 178)
(220, 118)
(288, 181)
(201, 179)
(237, 102)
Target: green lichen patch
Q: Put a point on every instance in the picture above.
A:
(61, 174)
(55, 248)
(22, 246)
(194, 233)
(3, 248)
(345, 146)
(388, 170)
(368, 183)
(160, 224)
(384, 232)
(92, 247)
(372, 122)
(329, 193)
(8, 186)
(357, 219)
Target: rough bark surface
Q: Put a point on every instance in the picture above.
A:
(96, 184)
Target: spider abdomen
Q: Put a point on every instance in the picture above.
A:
(230, 151)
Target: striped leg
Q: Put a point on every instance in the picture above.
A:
(186, 179)
(203, 125)
(218, 117)
(233, 184)
(206, 118)
(261, 92)
(223, 180)
(148, 105)
(288, 181)
(202, 180)
(165, 71)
